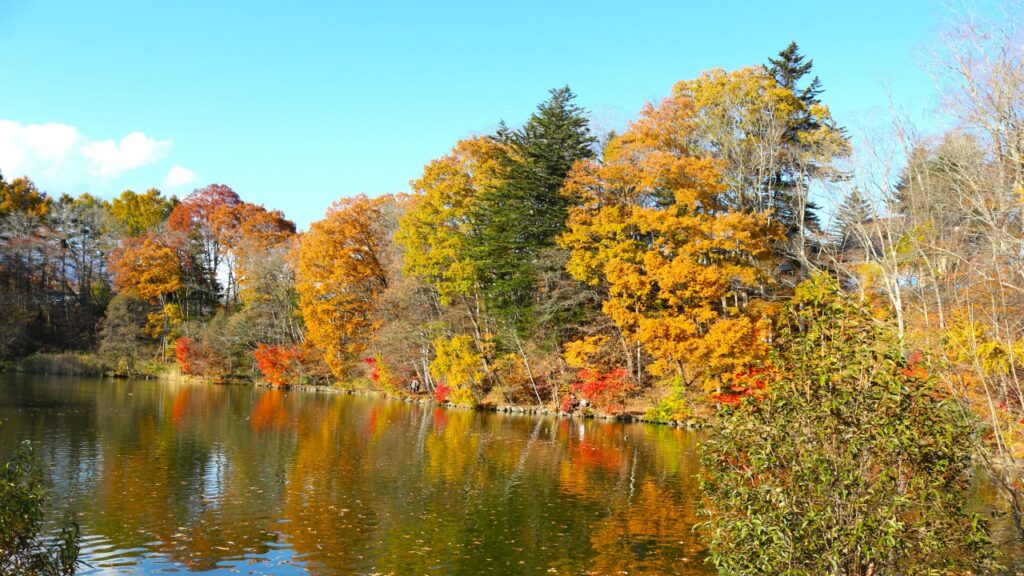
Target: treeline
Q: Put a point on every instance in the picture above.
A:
(637, 272)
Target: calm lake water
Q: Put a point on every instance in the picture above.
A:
(168, 477)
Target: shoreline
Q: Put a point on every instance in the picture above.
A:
(532, 411)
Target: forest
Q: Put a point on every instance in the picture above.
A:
(661, 273)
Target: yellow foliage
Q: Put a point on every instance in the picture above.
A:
(433, 232)
(340, 276)
(653, 226)
(458, 364)
(581, 353)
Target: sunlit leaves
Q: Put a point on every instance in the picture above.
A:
(341, 274)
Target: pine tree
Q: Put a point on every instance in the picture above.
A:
(519, 218)
(789, 70)
(854, 211)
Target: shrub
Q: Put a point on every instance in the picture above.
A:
(605, 390)
(853, 462)
(380, 375)
(441, 393)
(184, 354)
(278, 364)
(674, 407)
(24, 549)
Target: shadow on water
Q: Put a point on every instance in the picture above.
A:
(219, 480)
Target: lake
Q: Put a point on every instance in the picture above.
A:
(173, 477)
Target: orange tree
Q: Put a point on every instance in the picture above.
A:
(680, 268)
(341, 275)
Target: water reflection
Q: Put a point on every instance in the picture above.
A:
(213, 479)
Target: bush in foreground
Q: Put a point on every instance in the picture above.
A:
(24, 550)
(853, 462)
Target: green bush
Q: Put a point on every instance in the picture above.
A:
(855, 461)
(674, 407)
(24, 550)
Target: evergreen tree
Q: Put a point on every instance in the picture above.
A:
(789, 69)
(854, 210)
(519, 218)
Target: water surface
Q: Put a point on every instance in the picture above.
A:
(168, 477)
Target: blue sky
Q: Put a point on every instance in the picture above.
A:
(295, 105)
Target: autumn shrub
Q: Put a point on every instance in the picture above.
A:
(278, 364)
(184, 354)
(855, 461)
(605, 390)
(380, 375)
(675, 406)
(197, 359)
(459, 365)
(25, 549)
(442, 392)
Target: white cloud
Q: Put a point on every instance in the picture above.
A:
(35, 148)
(179, 176)
(59, 158)
(110, 158)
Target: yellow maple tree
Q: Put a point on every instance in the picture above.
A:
(680, 266)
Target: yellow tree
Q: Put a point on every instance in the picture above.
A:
(434, 231)
(137, 214)
(341, 274)
(771, 141)
(680, 267)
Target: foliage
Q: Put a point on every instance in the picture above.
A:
(184, 354)
(655, 229)
(24, 547)
(435, 230)
(442, 393)
(278, 364)
(121, 332)
(341, 275)
(459, 365)
(382, 377)
(521, 213)
(147, 267)
(854, 461)
(137, 214)
(675, 406)
(606, 390)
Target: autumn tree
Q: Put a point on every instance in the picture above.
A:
(135, 214)
(196, 228)
(771, 142)
(678, 262)
(435, 231)
(146, 267)
(340, 277)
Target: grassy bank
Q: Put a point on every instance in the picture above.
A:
(63, 364)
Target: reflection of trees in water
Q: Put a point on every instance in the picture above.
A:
(205, 474)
